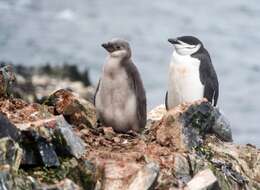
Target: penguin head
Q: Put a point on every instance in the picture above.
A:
(118, 48)
(186, 45)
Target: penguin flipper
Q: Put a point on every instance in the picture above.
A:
(137, 86)
(96, 91)
(208, 78)
(166, 101)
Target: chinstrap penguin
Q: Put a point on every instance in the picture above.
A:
(191, 73)
(120, 97)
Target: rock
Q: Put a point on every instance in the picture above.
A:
(235, 165)
(222, 127)
(117, 174)
(38, 148)
(182, 170)
(12, 181)
(7, 129)
(154, 115)
(157, 113)
(75, 110)
(65, 184)
(146, 178)
(203, 180)
(10, 153)
(66, 138)
(47, 152)
(7, 78)
(186, 125)
(174, 131)
(49, 138)
(35, 84)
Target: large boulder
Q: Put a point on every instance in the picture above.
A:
(185, 126)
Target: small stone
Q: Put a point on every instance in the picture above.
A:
(203, 180)
(67, 184)
(157, 113)
(109, 132)
(116, 139)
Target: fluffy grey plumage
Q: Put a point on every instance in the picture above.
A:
(120, 96)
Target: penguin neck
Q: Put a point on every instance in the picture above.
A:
(180, 59)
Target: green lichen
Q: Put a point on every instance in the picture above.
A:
(204, 151)
(70, 168)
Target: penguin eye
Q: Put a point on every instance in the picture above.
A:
(117, 47)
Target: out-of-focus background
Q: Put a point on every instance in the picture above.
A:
(56, 31)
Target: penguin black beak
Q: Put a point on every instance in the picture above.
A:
(173, 41)
(108, 46)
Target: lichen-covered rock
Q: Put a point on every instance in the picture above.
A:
(10, 153)
(186, 125)
(76, 110)
(7, 78)
(75, 170)
(235, 165)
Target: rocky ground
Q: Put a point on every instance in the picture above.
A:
(52, 141)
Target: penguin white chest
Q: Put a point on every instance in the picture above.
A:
(116, 101)
(184, 80)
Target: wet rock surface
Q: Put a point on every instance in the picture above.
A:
(58, 145)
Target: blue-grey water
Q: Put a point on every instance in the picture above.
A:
(39, 31)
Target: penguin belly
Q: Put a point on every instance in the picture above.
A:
(184, 83)
(116, 101)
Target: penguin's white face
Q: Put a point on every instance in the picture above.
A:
(186, 45)
(186, 49)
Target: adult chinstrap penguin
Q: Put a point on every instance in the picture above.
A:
(191, 73)
(120, 97)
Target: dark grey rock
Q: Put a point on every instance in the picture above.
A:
(47, 152)
(66, 139)
(7, 129)
(222, 127)
(37, 150)
(205, 118)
